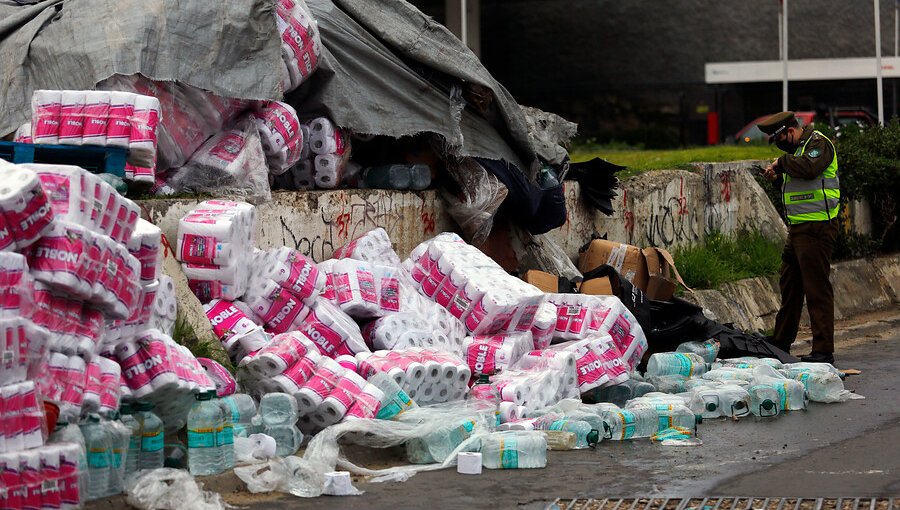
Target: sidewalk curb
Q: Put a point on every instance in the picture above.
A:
(860, 286)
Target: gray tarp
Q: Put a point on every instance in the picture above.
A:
(232, 48)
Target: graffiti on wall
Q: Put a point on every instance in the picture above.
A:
(347, 217)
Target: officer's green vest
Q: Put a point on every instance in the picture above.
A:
(812, 199)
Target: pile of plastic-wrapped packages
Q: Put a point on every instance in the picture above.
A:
(184, 139)
(470, 358)
(79, 288)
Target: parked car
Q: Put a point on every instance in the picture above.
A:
(836, 117)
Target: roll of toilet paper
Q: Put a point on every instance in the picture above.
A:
(468, 463)
(328, 170)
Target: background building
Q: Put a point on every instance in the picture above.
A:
(633, 70)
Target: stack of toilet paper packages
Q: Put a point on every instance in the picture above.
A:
(224, 382)
(327, 390)
(44, 477)
(96, 117)
(157, 369)
(25, 213)
(215, 240)
(102, 393)
(188, 115)
(425, 375)
(330, 146)
(291, 270)
(22, 422)
(474, 288)
(240, 335)
(538, 379)
(280, 134)
(581, 316)
(373, 247)
(300, 42)
(493, 354)
(598, 362)
(405, 330)
(165, 306)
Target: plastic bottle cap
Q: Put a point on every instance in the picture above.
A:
(125, 409)
(593, 437)
(739, 404)
(484, 379)
(711, 406)
(203, 395)
(768, 405)
(144, 406)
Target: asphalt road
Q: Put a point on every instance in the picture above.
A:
(830, 450)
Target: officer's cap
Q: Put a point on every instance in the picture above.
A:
(777, 123)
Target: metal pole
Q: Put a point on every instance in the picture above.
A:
(896, 53)
(464, 30)
(784, 60)
(781, 35)
(877, 5)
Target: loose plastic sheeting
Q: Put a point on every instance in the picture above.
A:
(169, 489)
(305, 477)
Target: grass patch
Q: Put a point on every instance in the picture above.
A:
(722, 259)
(639, 161)
(184, 334)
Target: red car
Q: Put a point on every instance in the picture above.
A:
(835, 117)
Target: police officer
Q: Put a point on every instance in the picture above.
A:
(811, 197)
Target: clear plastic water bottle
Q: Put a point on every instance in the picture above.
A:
(792, 395)
(278, 409)
(398, 176)
(420, 177)
(243, 409)
(821, 386)
(395, 401)
(585, 435)
(152, 437)
(438, 445)
(225, 438)
(204, 421)
(514, 450)
(592, 419)
(620, 393)
(707, 350)
(655, 399)
(98, 445)
(669, 383)
(288, 439)
(676, 363)
(133, 455)
(120, 435)
(640, 422)
(724, 400)
(729, 374)
(764, 401)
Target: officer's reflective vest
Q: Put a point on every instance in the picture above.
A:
(812, 199)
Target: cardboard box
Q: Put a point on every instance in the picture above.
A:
(626, 259)
(660, 288)
(596, 287)
(544, 281)
(661, 264)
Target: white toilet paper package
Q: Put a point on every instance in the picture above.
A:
(538, 379)
(474, 288)
(333, 332)
(279, 130)
(492, 354)
(232, 162)
(425, 375)
(290, 269)
(239, 334)
(331, 146)
(403, 330)
(301, 44)
(144, 245)
(25, 211)
(165, 306)
(16, 286)
(598, 362)
(23, 424)
(374, 247)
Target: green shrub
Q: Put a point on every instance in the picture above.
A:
(722, 259)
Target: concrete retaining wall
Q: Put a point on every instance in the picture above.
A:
(860, 286)
(674, 208)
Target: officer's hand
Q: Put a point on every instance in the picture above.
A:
(769, 172)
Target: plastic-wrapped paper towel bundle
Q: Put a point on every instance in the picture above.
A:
(598, 362)
(474, 288)
(425, 375)
(25, 212)
(331, 146)
(300, 42)
(22, 424)
(214, 241)
(333, 332)
(544, 325)
(280, 134)
(374, 247)
(144, 245)
(398, 331)
(291, 270)
(581, 316)
(491, 354)
(239, 334)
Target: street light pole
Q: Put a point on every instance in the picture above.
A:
(784, 57)
(877, 5)
(464, 23)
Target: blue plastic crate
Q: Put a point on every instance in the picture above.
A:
(93, 158)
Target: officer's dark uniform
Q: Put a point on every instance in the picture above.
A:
(811, 197)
